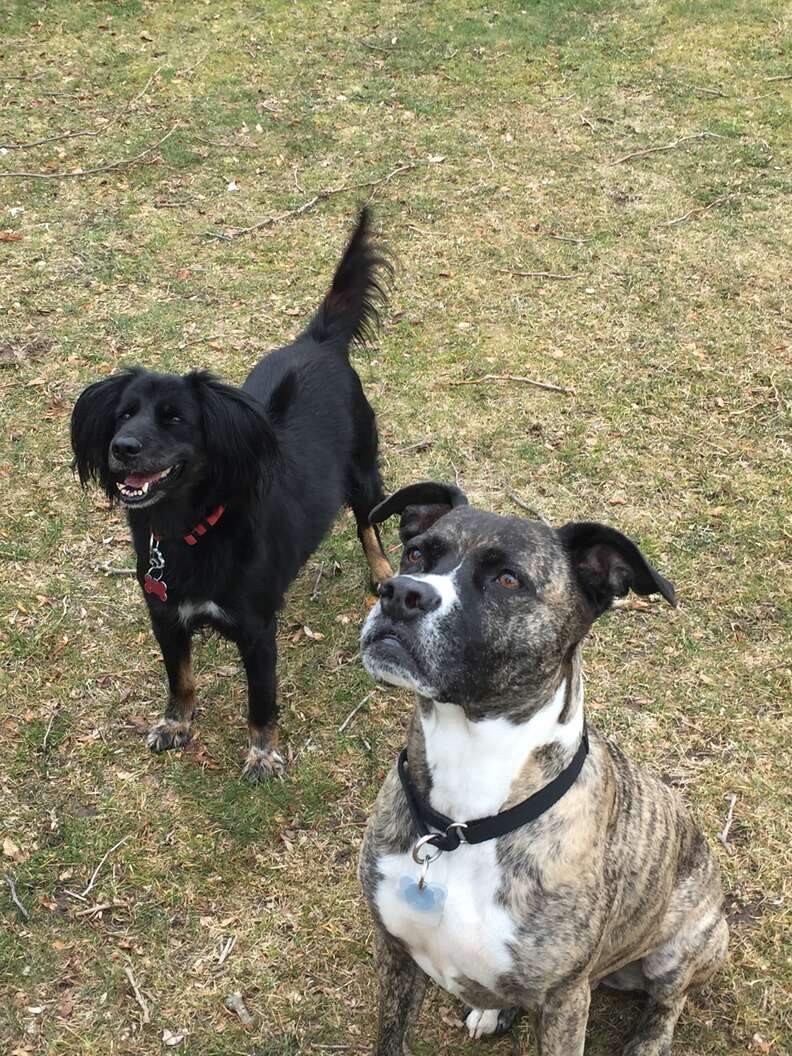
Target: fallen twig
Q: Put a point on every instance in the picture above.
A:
(48, 731)
(511, 377)
(724, 835)
(106, 855)
(699, 211)
(122, 163)
(114, 570)
(781, 77)
(527, 507)
(14, 897)
(315, 591)
(666, 146)
(50, 139)
(226, 950)
(536, 274)
(97, 909)
(235, 1003)
(354, 712)
(320, 196)
(138, 995)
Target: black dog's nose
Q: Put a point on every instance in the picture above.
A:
(126, 447)
(405, 598)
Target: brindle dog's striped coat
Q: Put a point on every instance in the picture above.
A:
(614, 884)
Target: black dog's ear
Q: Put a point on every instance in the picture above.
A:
(420, 506)
(608, 565)
(239, 443)
(93, 423)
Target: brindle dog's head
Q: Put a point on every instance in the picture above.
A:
(486, 610)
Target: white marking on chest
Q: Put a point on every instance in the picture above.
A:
(473, 766)
(190, 611)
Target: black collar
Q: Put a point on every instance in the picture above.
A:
(452, 833)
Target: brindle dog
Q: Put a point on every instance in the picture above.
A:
(614, 883)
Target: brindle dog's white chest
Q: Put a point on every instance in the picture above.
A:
(471, 940)
(473, 766)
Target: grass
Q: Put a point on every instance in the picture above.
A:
(675, 336)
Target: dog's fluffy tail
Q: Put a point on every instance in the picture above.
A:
(351, 308)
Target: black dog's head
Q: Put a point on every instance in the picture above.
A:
(486, 609)
(148, 437)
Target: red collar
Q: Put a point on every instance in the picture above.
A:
(192, 537)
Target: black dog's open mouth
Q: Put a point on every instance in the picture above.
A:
(135, 488)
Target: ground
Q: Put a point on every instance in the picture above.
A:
(595, 195)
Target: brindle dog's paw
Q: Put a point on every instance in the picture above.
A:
(489, 1022)
(168, 733)
(262, 764)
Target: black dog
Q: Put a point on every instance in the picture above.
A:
(228, 491)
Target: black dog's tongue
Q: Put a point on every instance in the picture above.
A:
(137, 480)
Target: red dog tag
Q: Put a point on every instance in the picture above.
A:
(156, 586)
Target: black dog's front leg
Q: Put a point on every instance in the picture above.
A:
(174, 729)
(402, 989)
(259, 655)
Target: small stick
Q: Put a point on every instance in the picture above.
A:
(698, 211)
(666, 146)
(107, 854)
(114, 570)
(320, 196)
(781, 77)
(707, 91)
(560, 238)
(122, 163)
(49, 139)
(53, 716)
(512, 377)
(535, 274)
(527, 507)
(315, 591)
(226, 950)
(96, 910)
(14, 897)
(138, 995)
(235, 1003)
(354, 712)
(724, 835)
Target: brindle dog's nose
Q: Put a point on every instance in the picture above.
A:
(405, 598)
(126, 447)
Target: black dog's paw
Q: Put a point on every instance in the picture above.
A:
(489, 1022)
(262, 764)
(168, 733)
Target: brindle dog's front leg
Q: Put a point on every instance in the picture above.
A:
(562, 1022)
(402, 988)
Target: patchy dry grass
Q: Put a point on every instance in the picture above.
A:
(675, 337)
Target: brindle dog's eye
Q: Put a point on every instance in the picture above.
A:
(415, 553)
(508, 580)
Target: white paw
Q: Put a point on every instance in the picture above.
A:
(262, 764)
(168, 733)
(482, 1021)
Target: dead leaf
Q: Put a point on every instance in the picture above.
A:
(758, 1042)
(10, 850)
(315, 636)
(10, 236)
(228, 669)
(169, 1037)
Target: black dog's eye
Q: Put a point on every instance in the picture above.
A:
(508, 580)
(171, 414)
(415, 553)
(125, 416)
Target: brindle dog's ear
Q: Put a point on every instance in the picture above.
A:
(420, 506)
(608, 565)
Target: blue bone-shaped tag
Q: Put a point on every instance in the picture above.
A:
(428, 899)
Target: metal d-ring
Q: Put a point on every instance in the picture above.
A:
(427, 858)
(460, 826)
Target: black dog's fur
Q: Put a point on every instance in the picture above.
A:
(282, 454)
